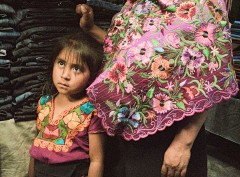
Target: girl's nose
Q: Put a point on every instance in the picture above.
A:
(65, 74)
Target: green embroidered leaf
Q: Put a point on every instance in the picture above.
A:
(226, 84)
(155, 42)
(111, 105)
(137, 99)
(125, 83)
(63, 129)
(78, 112)
(164, 90)
(114, 116)
(181, 105)
(222, 40)
(206, 52)
(121, 88)
(111, 87)
(171, 8)
(144, 120)
(161, 81)
(150, 92)
(144, 75)
(223, 23)
(122, 34)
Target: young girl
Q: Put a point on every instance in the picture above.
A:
(70, 139)
(167, 62)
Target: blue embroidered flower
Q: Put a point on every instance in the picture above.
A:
(87, 108)
(44, 99)
(128, 116)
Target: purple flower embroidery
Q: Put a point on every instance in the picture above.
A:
(192, 58)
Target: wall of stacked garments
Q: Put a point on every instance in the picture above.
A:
(234, 17)
(28, 30)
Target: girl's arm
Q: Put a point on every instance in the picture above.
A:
(96, 153)
(31, 168)
(87, 22)
(177, 156)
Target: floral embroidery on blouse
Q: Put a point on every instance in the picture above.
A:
(56, 135)
(179, 56)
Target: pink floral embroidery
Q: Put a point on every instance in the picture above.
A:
(118, 72)
(151, 24)
(186, 11)
(167, 2)
(108, 45)
(162, 103)
(212, 66)
(205, 34)
(173, 39)
(142, 52)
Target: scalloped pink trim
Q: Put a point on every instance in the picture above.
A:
(110, 131)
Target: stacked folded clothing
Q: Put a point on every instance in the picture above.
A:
(235, 34)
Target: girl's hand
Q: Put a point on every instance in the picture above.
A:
(87, 16)
(175, 162)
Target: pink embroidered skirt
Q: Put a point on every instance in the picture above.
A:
(165, 61)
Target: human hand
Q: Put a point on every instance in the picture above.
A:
(87, 16)
(175, 162)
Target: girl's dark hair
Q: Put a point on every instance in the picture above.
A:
(87, 51)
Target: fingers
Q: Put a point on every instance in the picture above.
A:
(164, 171)
(87, 19)
(84, 9)
(172, 172)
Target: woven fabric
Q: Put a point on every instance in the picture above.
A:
(165, 61)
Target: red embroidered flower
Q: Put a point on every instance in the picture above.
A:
(186, 11)
(118, 72)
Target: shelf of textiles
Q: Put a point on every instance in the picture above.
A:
(235, 34)
(28, 30)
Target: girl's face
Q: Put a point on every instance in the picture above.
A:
(69, 77)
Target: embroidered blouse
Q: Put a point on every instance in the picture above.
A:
(165, 60)
(65, 138)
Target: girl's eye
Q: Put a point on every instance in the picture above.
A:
(76, 68)
(61, 63)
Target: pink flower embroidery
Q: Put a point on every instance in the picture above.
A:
(208, 86)
(205, 34)
(118, 72)
(117, 26)
(108, 45)
(160, 68)
(129, 88)
(173, 39)
(167, 2)
(142, 52)
(125, 42)
(212, 66)
(151, 24)
(162, 103)
(192, 58)
(186, 11)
